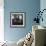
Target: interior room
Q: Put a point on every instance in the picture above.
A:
(22, 23)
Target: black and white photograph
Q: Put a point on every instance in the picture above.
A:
(17, 19)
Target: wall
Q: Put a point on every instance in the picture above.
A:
(43, 6)
(28, 6)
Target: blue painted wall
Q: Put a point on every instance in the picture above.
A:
(28, 6)
(43, 6)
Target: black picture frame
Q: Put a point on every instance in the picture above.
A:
(17, 19)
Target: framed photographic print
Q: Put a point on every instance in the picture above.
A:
(17, 19)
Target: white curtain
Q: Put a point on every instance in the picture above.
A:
(1, 20)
